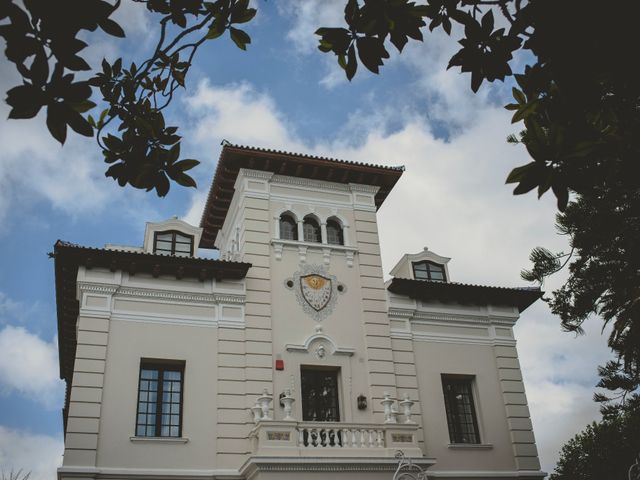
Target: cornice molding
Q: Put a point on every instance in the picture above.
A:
(185, 297)
(413, 314)
(309, 183)
(416, 315)
(452, 339)
(91, 287)
(325, 464)
(258, 174)
(363, 188)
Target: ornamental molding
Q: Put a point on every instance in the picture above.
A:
(320, 344)
(207, 298)
(309, 183)
(323, 464)
(307, 295)
(256, 174)
(459, 339)
(362, 188)
(328, 250)
(418, 316)
(89, 287)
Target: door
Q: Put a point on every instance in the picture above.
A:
(320, 394)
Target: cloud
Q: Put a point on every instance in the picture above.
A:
(559, 370)
(237, 112)
(29, 367)
(39, 454)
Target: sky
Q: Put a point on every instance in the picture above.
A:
(284, 94)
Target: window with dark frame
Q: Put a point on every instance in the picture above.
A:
(173, 243)
(160, 394)
(288, 227)
(460, 408)
(320, 402)
(429, 271)
(311, 230)
(335, 235)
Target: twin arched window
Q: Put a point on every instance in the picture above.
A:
(311, 229)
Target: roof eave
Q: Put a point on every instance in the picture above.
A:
(521, 298)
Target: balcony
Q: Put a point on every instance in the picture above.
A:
(327, 439)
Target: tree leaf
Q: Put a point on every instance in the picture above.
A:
(56, 123)
(185, 180)
(352, 63)
(240, 38)
(187, 164)
(112, 28)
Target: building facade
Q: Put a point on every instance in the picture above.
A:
(289, 356)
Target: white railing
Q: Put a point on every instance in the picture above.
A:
(323, 435)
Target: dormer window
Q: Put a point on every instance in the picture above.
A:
(288, 227)
(429, 271)
(311, 230)
(173, 243)
(335, 235)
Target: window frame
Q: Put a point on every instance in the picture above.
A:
(429, 264)
(173, 242)
(307, 221)
(340, 228)
(454, 423)
(295, 226)
(162, 366)
(335, 370)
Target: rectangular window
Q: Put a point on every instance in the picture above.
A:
(173, 243)
(160, 399)
(460, 408)
(429, 271)
(320, 394)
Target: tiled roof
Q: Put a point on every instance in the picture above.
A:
(520, 297)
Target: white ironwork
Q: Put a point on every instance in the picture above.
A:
(634, 470)
(407, 470)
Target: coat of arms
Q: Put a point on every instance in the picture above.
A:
(316, 290)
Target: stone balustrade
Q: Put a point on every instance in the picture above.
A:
(340, 439)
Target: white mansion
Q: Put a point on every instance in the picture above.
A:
(289, 357)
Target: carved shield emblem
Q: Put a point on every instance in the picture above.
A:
(316, 290)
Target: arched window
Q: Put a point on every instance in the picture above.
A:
(311, 230)
(288, 227)
(335, 236)
(173, 243)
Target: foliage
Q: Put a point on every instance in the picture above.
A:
(604, 450)
(13, 475)
(604, 231)
(577, 100)
(42, 41)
